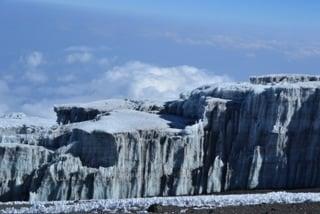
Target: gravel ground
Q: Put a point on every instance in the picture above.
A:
(301, 208)
(304, 208)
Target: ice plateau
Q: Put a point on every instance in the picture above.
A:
(262, 134)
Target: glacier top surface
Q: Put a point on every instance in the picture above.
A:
(126, 120)
(106, 105)
(242, 87)
(109, 104)
(20, 119)
(286, 75)
(280, 78)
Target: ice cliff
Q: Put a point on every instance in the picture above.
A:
(262, 134)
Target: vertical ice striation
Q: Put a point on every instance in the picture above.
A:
(259, 135)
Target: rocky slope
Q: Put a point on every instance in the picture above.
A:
(259, 135)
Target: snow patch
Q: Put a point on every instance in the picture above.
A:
(126, 120)
(141, 204)
(18, 119)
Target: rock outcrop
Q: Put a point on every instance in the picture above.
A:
(259, 135)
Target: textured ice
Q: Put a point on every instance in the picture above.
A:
(216, 138)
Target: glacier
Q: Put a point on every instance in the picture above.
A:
(262, 134)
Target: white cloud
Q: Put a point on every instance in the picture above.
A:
(106, 61)
(84, 48)
(135, 80)
(67, 78)
(35, 59)
(4, 88)
(4, 108)
(225, 41)
(79, 57)
(81, 48)
(292, 49)
(304, 52)
(250, 55)
(36, 76)
(32, 63)
(42, 109)
(4, 96)
(140, 80)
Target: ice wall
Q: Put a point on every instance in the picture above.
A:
(259, 135)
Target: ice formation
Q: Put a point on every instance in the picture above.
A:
(259, 135)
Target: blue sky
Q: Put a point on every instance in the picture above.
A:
(272, 12)
(58, 51)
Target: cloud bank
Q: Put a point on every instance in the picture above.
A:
(79, 57)
(289, 49)
(34, 59)
(32, 63)
(141, 80)
(133, 79)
